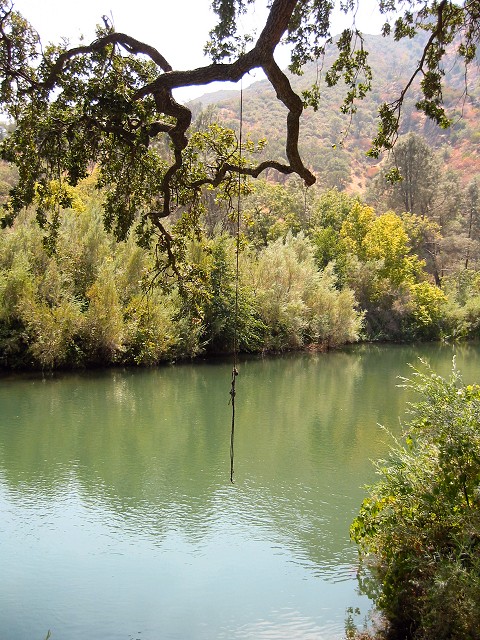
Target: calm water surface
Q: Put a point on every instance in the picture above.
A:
(118, 520)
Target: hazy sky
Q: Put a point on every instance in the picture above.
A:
(177, 28)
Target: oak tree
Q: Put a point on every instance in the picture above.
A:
(108, 103)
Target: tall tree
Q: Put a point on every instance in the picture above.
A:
(427, 192)
(107, 102)
(419, 170)
(472, 221)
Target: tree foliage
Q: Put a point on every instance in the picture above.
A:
(440, 214)
(379, 257)
(419, 171)
(109, 102)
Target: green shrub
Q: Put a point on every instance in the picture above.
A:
(426, 308)
(462, 311)
(149, 331)
(419, 528)
(297, 303)
(229, 311)
(102, 327)
(53, 332)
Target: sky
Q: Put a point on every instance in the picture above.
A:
(177, 28)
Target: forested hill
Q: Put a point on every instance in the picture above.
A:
(345, 165)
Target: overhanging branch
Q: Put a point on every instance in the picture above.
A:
(260, 56)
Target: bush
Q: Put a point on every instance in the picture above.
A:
(462, 312)
(84, 301)
(229, 313)
(419, 528)
(298, 304)
(150, 330)
(426, 308)
(53, 332)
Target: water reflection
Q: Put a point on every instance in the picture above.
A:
(119, 479)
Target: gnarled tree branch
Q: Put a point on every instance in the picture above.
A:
(121, 111)
(260, 56)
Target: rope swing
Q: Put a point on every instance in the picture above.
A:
(235, 327)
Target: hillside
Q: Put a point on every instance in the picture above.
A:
(338, 159)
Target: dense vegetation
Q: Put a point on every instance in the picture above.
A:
(315, 268)
(109, 103)
(329, 271)
(418, 529)
(92, 300)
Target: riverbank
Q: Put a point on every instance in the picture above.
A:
(92, 301)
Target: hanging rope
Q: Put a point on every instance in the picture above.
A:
(235, 328)
(305, 205)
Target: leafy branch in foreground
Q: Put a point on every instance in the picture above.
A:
(449, 25)
(419, 528)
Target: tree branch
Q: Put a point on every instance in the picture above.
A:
(253, 172)
(261, 55)
(396, 105)
(131, 45)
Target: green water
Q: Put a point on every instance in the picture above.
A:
(118, 520)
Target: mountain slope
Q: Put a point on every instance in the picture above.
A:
(332, 145)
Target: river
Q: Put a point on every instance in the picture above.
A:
(118, 519)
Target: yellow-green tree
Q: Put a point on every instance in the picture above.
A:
(389, 280)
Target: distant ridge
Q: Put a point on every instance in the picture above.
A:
(215, 97)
